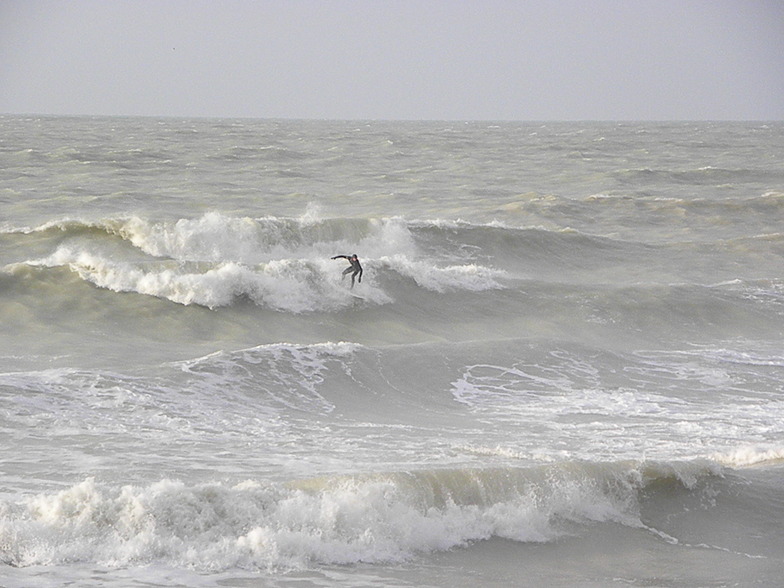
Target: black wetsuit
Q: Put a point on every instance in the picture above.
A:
(353, 269)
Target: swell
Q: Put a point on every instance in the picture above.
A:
(702, 176)
(583, 395)
(658, 218)
(285, 285)
(216, 237)
(336, 407)
(214, 261)
(419, 290)
(428, 273)
(235, 238)
(399, 300)
(725, 208)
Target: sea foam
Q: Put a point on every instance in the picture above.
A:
(384, 517)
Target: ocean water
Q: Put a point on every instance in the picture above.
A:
(564, 365)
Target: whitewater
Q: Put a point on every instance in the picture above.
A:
(563, 365)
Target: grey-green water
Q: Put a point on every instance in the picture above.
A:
(562, 367)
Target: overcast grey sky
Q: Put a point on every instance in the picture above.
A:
(396, 59)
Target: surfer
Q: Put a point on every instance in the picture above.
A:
(353, 269)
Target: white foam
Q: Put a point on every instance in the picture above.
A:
(213, 237)
(297, 369)
(217, 237)
(717, 359)
(444, 279)
(750, 456)
(289, 285)
(215, 260)
(664, 394)
(338, 520)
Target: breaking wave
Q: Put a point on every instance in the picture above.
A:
(370, 518)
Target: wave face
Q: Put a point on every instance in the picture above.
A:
(562, 367)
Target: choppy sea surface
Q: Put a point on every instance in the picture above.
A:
(564, 365)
